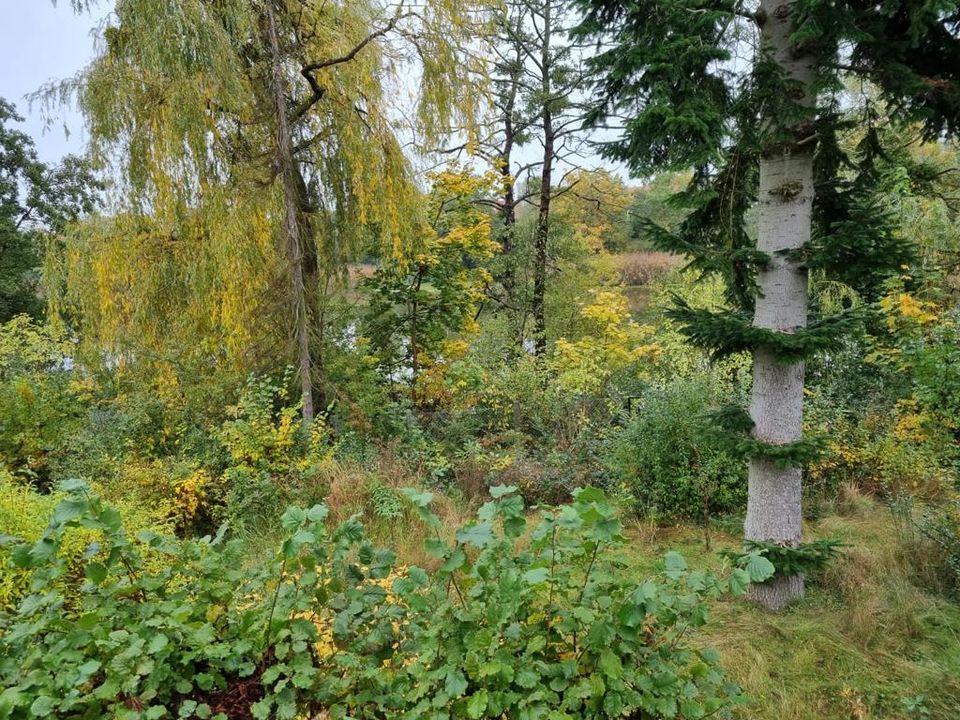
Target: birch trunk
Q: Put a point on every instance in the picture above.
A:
(774, 511)
(293, 240)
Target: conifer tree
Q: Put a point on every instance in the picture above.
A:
(533, 137)
(750, 95)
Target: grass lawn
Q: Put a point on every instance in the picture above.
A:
(867, 642)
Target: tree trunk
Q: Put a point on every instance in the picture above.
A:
(292, 231)
(509, 209)
(546, 179)
(774, 511)
(415, 337)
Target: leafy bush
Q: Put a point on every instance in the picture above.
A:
(24, 513)
(270, 454)
(932, 542)
(504, 627)
(875, 454)
(611, 342)
(938, 529)
(40, 399)
(552, 627)
(667, 460)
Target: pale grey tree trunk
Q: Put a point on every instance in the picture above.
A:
(776, 406)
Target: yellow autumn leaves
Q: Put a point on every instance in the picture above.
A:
(613, 343)
(903, 306)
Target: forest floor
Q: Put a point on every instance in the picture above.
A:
(867, 642)
(873, 639)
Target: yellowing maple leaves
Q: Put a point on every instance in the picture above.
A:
(613, 343)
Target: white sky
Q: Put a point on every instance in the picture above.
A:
(40, 43)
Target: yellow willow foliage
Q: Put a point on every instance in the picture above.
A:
(135, 284)
(179, 108)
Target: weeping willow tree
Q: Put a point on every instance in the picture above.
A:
(254, 151)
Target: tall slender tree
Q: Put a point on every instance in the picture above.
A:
(750, 95)
(536, 72)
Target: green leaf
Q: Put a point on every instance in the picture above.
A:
(42, 706)
(21, 557)
(292, 518)
(110, 517)
(88, 668)
(610, 664)
(154, 712)
(68, 510)
(9, 699)
(738, 582)
(455, 684)
(72, 485)
(607, 529)
(40, 552)
(261, 709)
(759, 568)
(157, 643)
(527, 678)
(674, 564)
(418, 575)
(318, 513)
(536, 644)
(455, 561)
(498, 491)
(589, 494)
(95, 572)
(476, 534)
(513, 527)
(477, 704)
(420, 498)
(436, 547)
(536, 576)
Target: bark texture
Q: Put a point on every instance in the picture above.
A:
(292, 231)
(509, 203)
(774, 512)
(546, 191)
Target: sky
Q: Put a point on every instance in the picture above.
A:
(40, 43)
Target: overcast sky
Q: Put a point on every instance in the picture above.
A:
(40, 43)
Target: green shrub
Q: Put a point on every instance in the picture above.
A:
(878, 454)
(270, 453)
(669, 463)
(550, 627)
(938, 531)
(40, 400)
(24, 514)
